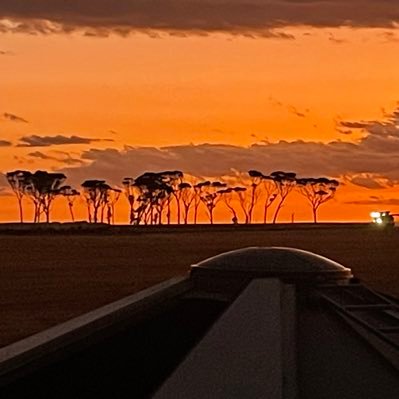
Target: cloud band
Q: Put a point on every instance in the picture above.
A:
(190, 16)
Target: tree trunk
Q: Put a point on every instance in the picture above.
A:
(178, 211)
(71, 212)
(265, 214)
(186, 211)
(251, 208)
(21, 214)
(168, 212)
(160, 212)
(235, 218)
(36, 213)
(315, 215)
(95, 214)
(277, 211)
(109, 214)
(46, 209)
(89, 213)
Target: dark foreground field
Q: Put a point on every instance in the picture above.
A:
(46, 279)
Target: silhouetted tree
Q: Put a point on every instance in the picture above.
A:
(95, 193)
(173, 178)
(17, 179)
(187, 196)
(153, 197)
(145, 184)
(270, 194)
(42, 187)
(70, 194)
(228, 198)
(317, 191)
(211, 195)
(111, 197)
(285, 182)
(197, 199)
(256, 179)
(128, 184)
(245, 202)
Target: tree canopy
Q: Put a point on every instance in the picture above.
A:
(167, 197)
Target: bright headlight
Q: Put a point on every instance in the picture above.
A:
(375, 215)
(379, 221)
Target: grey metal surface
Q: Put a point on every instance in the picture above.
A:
(244, 355)
(372, 312)
(34, 351)
(334, 361)
(273, 261)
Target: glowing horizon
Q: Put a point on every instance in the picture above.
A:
(299, 98)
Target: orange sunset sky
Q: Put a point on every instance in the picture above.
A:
(205, 87)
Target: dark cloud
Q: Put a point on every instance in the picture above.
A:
(290, 108)
(14, 118)
(370, 181)
(376, 201)
(390, 37)
(47, 141)
(182, 17)
(65, 159)
(40, 155)
(5, 143)
(3, 181)
(296, 112)
(386, 129)
(5, 190)
(345, 132)
(371, 162)
(354, 125)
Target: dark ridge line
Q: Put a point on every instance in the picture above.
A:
(105, 229)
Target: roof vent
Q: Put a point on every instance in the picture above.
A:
(289, 264)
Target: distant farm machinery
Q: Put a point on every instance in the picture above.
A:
(384, 219)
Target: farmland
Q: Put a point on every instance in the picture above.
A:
(48, 278)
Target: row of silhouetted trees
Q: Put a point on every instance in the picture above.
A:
(153, 197)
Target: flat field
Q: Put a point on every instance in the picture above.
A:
(48, 278)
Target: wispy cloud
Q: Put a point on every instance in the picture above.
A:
(296, 112)
(66, 159)
(5, 143)
(47, 141)
(290, 108)
(390, 37)
(332, 38)
(5, 192)
(14, 118)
